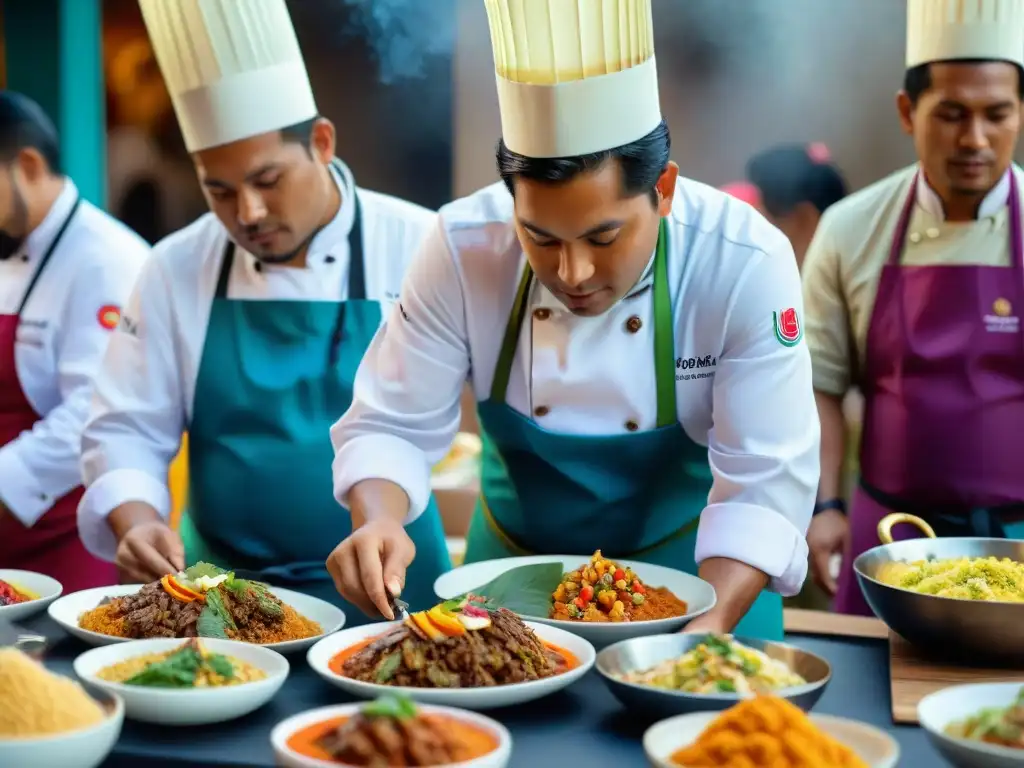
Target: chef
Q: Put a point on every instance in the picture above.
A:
(914, 290)
(792, 185)
(634, 341)
(247, 326)
(66, 268)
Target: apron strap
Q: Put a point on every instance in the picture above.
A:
(664, 358)
(46, 256)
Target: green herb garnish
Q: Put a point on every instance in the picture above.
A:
(725, 686)
(388, 666)
(397, 707)
(215, 620)
(178, 670)
(201, 569)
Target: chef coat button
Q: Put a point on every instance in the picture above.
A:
(932, 232)
(915, 237)
(329, 259)
(542, 313)
(634, 324)
(25, 257)
(541, 410)
(258, 266)
(632, 426)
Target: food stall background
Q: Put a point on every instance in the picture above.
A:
(410, 86)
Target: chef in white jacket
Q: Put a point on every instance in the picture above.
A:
(247, 326)
(66, 268)
(633, 338)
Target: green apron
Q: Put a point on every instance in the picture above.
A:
(634, 496)
(274, 377)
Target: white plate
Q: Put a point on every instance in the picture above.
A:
(697, 593)
(873, 746)
(286, 757)
(187, 706)
(84, 748)
(942, 708)
(320, 655)
(67, 610)
(48, 590)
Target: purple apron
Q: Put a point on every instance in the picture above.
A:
(943, 401)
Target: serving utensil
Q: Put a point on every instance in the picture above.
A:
(15, 636)
(399, 608)
(643, 653)
(971, 630)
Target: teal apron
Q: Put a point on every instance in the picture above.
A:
(635, 496)
(274, 377)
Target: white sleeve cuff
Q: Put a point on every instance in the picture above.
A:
(383, 457)
(20, 490)
(110, 491)
(757, 536)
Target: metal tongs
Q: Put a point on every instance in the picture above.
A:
(15, 636)
(399, 607)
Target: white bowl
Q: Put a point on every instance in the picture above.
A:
(187, 706)
(289, 759)
(873, 746)
(85, 748)
(320, 655)
(48, 590)
(938, 710)
(69, 608)
(697, 593)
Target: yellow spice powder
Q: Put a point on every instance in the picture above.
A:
(36, 702)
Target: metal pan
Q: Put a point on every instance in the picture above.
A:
(976, 632)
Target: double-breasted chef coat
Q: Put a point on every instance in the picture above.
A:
(256, 361)
(60, 299)
(924, 316)
(678, 426)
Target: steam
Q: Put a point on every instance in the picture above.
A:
(404, 34)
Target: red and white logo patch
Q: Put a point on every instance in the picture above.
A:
(109, 316)
(788, 328)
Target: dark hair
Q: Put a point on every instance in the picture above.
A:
(300, 133)
(642, 162)
(24, 125)
(789, 175)
(918, 79)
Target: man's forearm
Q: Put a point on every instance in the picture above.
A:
(375, 498)
(125, 517)
(737, 585)
(833, 445)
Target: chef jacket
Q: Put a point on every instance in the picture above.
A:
(144, 393)
(851, 245)
(62, 334)
(739, 389)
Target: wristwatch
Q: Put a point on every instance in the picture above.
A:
(837, 504)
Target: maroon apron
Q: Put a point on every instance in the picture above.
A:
(943, 400)
(51, 546)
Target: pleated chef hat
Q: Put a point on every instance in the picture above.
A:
(946, 30)
(574, 78)
(233, 67)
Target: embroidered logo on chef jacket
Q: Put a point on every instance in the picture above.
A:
(788, 328)
(129, 326)
(688, 368)
(109, 316)
(1002, 319)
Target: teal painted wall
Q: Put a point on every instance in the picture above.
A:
(55, 55)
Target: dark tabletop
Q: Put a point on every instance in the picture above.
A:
(585, 718)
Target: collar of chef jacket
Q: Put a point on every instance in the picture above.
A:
(994, 201)
(40, 238)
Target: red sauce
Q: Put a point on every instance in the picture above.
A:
(567, 659)
(473, 742)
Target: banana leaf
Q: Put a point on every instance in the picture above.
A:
(525, 590)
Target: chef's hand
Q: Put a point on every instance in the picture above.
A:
(148, 551)
(370, 565)
(828, 535)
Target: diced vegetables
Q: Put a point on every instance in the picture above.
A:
(599, 590)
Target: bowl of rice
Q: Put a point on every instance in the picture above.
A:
(51, 721)
(168, 681)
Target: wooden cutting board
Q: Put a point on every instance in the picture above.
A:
(799, 621)
(914, 676)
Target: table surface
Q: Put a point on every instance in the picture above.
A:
(586, 717)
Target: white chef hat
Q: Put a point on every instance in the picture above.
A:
(946, 30)
(233, 67)
(574, 78)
